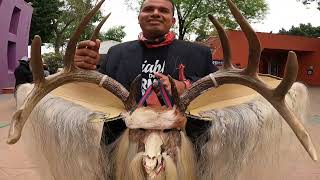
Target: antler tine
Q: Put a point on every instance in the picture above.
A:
(249, 78)
(69, 75)
(134, 91)
(224, 42)
(279, 93)
(21, 115)
(253, 40)
(71, 48)
(97, 30)
(36, 62)
(290, 75)
(194, 91)
(175, 95)
(297, 127)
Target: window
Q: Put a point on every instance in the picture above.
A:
(11, 56)
(14, 20)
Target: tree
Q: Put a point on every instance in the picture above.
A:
(303, 30)
(56, 20)
(54, 61)
(192, 14)
(45, 12)
(115, 33)
(307, 2)
(72, 13)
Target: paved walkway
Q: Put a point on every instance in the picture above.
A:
(15, 164)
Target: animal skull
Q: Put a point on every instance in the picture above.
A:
(152, 157)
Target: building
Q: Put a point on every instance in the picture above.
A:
(104, 48)
(274, 54)
(14, 33)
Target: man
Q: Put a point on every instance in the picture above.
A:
(46, 71)
(23, 73)
(155, 55)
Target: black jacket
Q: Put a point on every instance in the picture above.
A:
(23, 74)
(124, 62)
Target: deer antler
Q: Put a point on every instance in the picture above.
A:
(97, 30)
(249, 77)
(70, 73)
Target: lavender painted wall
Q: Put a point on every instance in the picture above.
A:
(15, 20)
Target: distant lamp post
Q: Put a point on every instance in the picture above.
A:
(310, 70)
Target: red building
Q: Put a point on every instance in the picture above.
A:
(274, 55)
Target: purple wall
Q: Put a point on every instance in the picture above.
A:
(14, 33)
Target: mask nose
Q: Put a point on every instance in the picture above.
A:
(151, 162)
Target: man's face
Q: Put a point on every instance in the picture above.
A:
(156, 18)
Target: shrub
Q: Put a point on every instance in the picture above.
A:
(54, 61)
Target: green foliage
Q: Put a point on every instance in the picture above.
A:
(307, 2)
(72, 13)
(54, 61)
(115, 33)
(192, 14)
(45, 12)
(303, 30)
(56, 20)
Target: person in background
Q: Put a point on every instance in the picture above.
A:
(46, 71)
(23, 72)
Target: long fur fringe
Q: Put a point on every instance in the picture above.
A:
(62, 141)
(241, 142)
(244, 141)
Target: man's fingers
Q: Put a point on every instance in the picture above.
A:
(85, 65)
(98, 43)
(166, 83)
(85, 44)
(87, 52)
(159, 75)
(86, 59)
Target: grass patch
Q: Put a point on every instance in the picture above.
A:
(315, 119)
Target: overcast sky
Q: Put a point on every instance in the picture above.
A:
(281, 14)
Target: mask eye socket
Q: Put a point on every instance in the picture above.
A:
(162, 148)
(167, 130)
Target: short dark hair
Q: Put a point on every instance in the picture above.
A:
(171, 1)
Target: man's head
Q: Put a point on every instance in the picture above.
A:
(156, 17)
(24, 58)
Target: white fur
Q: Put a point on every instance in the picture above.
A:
(61, 140)
(147, 118)
(244, 141)
(241, 142)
